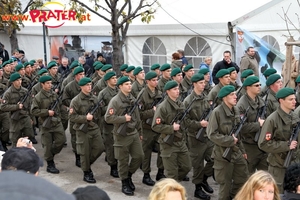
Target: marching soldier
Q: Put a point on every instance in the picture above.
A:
(139, 82)
(208, 87)
(199, 150)
(53, 72)
(129, 72)
(175, 154)
(97, 75)
(4, 118)
(230, 175)
(274, 83)
(101, 84)
(123, 70)
(165, 77)
(176, 75)
(233, 77)
(246, 73)
(276, 133)
(266, 74)
(52, 133)
(89, 143)
(155, 67)
(189, 72)
(6, 69)
(70, 76)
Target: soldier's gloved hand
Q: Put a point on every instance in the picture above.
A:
(235, 139)
(89, 117)
(51, 113)
(176, 127)
(261, 121)
(204, 123)
(293, 145)
(20, 106)
(128, 117)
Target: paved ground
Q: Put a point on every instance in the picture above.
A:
(70, 176)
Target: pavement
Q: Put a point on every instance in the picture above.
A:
(70, 176)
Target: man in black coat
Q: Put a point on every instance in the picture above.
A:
(3, 53)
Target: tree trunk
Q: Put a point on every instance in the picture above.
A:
(118, 57)
(13, 41)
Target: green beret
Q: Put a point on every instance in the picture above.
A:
(78, 70)
(43, 79)
(250, 81)
(137, 70)
(272, 79)
(123, 67)
(197, 77)
(108, 75)
(203, 71)
(226, 90)
(74, 64)
(96, 63)
(13, 59)
(14, 76)
(155, 66)
(98, 66)
(150, 75)
(130, 68)
(269, 72)
(247, 73)
(284, 92)
(19, 67)
(175, 71)
(123, 80)
(51, 64)
(5, 63)
(42, 71)
(222, 73)
(32, 61)
(170, 84)
(298, 79)
(231, 69)
(84, 81)
(165, 67)
(106, 67)
(188, 67)
(26, 64)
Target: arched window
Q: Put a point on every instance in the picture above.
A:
(154, 51)
(196, 50)
(271, 41)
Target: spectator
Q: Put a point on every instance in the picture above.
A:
(101, 58)
(224, 64)
(293, 73)
(260, 186)
(248, 61)
(88, 70)
(182, 57)
(56, 59)
(206, 64)
(167, 189)
(90, 193)
(291, 183)
(40, 63)
(64, 66)
(89, 59)
(176, 61)
(3, 53)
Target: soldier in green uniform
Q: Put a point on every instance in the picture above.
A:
(186, 82)
(165, 77)
(208, 87)
(98, 74)
(175, 154)
(70, 91)
(70, 76)
(230, 175)
(297, 90)
(151, 96)
(29, 72)
(123, 70)
(155, 67)
(4, 118)
(101, 84)
(139, 82)
(176, 75)
(276, 133)
(21, 70)
(6, 69)
(233, 77)
(52, 135)
(244, 75)
(274, 83)
(3, 80)
(106, 95)
(266, 74)
(130, 143)
(129, 72)
(21, 124)
(224, 79)
(200, 151)
(53, 72)
(89, 144)
(37, 87)
(257, 159)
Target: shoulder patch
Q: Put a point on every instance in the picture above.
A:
(158, 120)
(71, 110)
(268, 136)
(4, 101)
(111, 111)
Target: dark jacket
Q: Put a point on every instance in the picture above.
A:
(223, 65)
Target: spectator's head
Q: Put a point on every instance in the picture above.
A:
(167, 189)
(250, 51)
(291, 182)
(181, 53)
(64, 61)
(208, 60)
(227, 56)
(23, 159)
(90, 193)
(260, 185)
(175, 56)
(82, 60)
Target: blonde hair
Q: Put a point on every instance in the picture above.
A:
(255, 182)
(161, 188)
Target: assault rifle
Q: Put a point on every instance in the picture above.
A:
(294, 137)
(178, 119)
(155, 103)
(238, 93)
(236, 130)
(261, 114)
(47, 122)
(84, 127)
(205, 116)
(16, 114)
(122, 128)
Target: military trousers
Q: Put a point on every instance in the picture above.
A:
(73, 136)
(149, 140)
(53, 140)
(125, 146)
(230, 176)
(64, 117)
(200, 152)
(257, 159)
(20, 128)
(109, 144)
(278, 175)
(4, 126)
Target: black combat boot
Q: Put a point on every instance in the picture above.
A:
(33, 140)
(186, 178)
(114, 171)
(205, 185)
(77, 160)
(34, 130)
(131, 185)
(51, 167)
(147, 180)
(199, 193)
(160, 174)
(88, 177)
(126, 188)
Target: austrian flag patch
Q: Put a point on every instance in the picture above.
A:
(268, 136)
(158, 120)
(111, 111)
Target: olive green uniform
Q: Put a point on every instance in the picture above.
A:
(89, 145)
(53, 138)
(175, 157)
(207, 89)
(36, 88)
(136, 88)
(96, 78)
(56, 80)
(273, 103)
(257, 159)
(130, 144)
(263, 91)
(187, 83)
(213, 94)
(274, 139)
(4, 120)
(161, 83)
(4, 81)
(199, 150)
(235, 85)
(101, 84)
(230, 175)
(182, 92)
(67, 80)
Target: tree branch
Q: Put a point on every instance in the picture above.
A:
(28, 5)
(99, 6)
